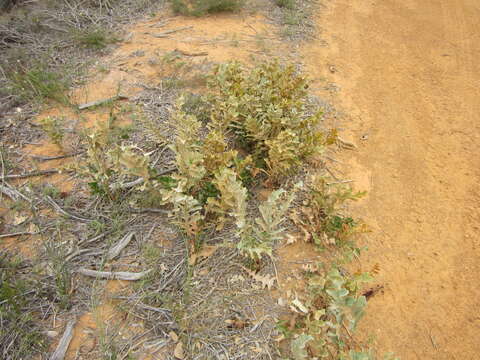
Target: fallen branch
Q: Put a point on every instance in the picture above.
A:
(91, 252)
(13, 194)
(331, 173)
(111, 275)
(168, 32)
(18, 234)
(31, 174)
(18, 295)
(95, 238)
(147, 210)
(48, 158)
(151, 308)
(127, 185)
(139, 181)
(101, 102)
(340, 182)
(63, 212)
(118, 247)
(187, 53)
(160, 23)
(62, 346)
(346, 144)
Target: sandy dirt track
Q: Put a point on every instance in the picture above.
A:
(409, 75)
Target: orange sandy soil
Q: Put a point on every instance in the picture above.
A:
(408, 78)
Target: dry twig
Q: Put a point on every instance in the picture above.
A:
(188, 53)
(30, 174)
(139, 181)
(168, 32)
(18, 234)
(63, 212)
(48, 158)
(101, 102)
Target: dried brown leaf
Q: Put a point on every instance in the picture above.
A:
(205, 252)
(178, 352)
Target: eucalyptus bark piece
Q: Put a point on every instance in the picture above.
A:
(13, 194)
(118, 247)
(62, 346)
(114, 275)
(100, 102)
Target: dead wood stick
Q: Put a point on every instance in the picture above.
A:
(127, 185)
(160, 23)
(331, 173)
(62, 346)
(340, 182)
(18, 234)
(48, 158)
(139, 181)
(118, 247)
(95, 238)
(168, 32)
(346, 144)
(90, 252)
(19, 295)
(30, 174)
(13, 194)
(114, 275)
(63, 212)
(149, 210)
(188, 53)
(100, 102)
(151, 308)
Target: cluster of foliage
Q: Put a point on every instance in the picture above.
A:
(329, 314)
(258, 124)
(109, 161)
(203, 7)
(287, 4)
(321, 217)
(20, 333)
(333, 302)
(258, 127)
(53, 127)
(267, 110)
(210, 186)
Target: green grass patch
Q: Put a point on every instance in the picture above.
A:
(97, 38)
(288, 4)
(204, 7)
(39, 83)
(20, 336)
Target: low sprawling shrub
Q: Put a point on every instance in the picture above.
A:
(267, 112)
